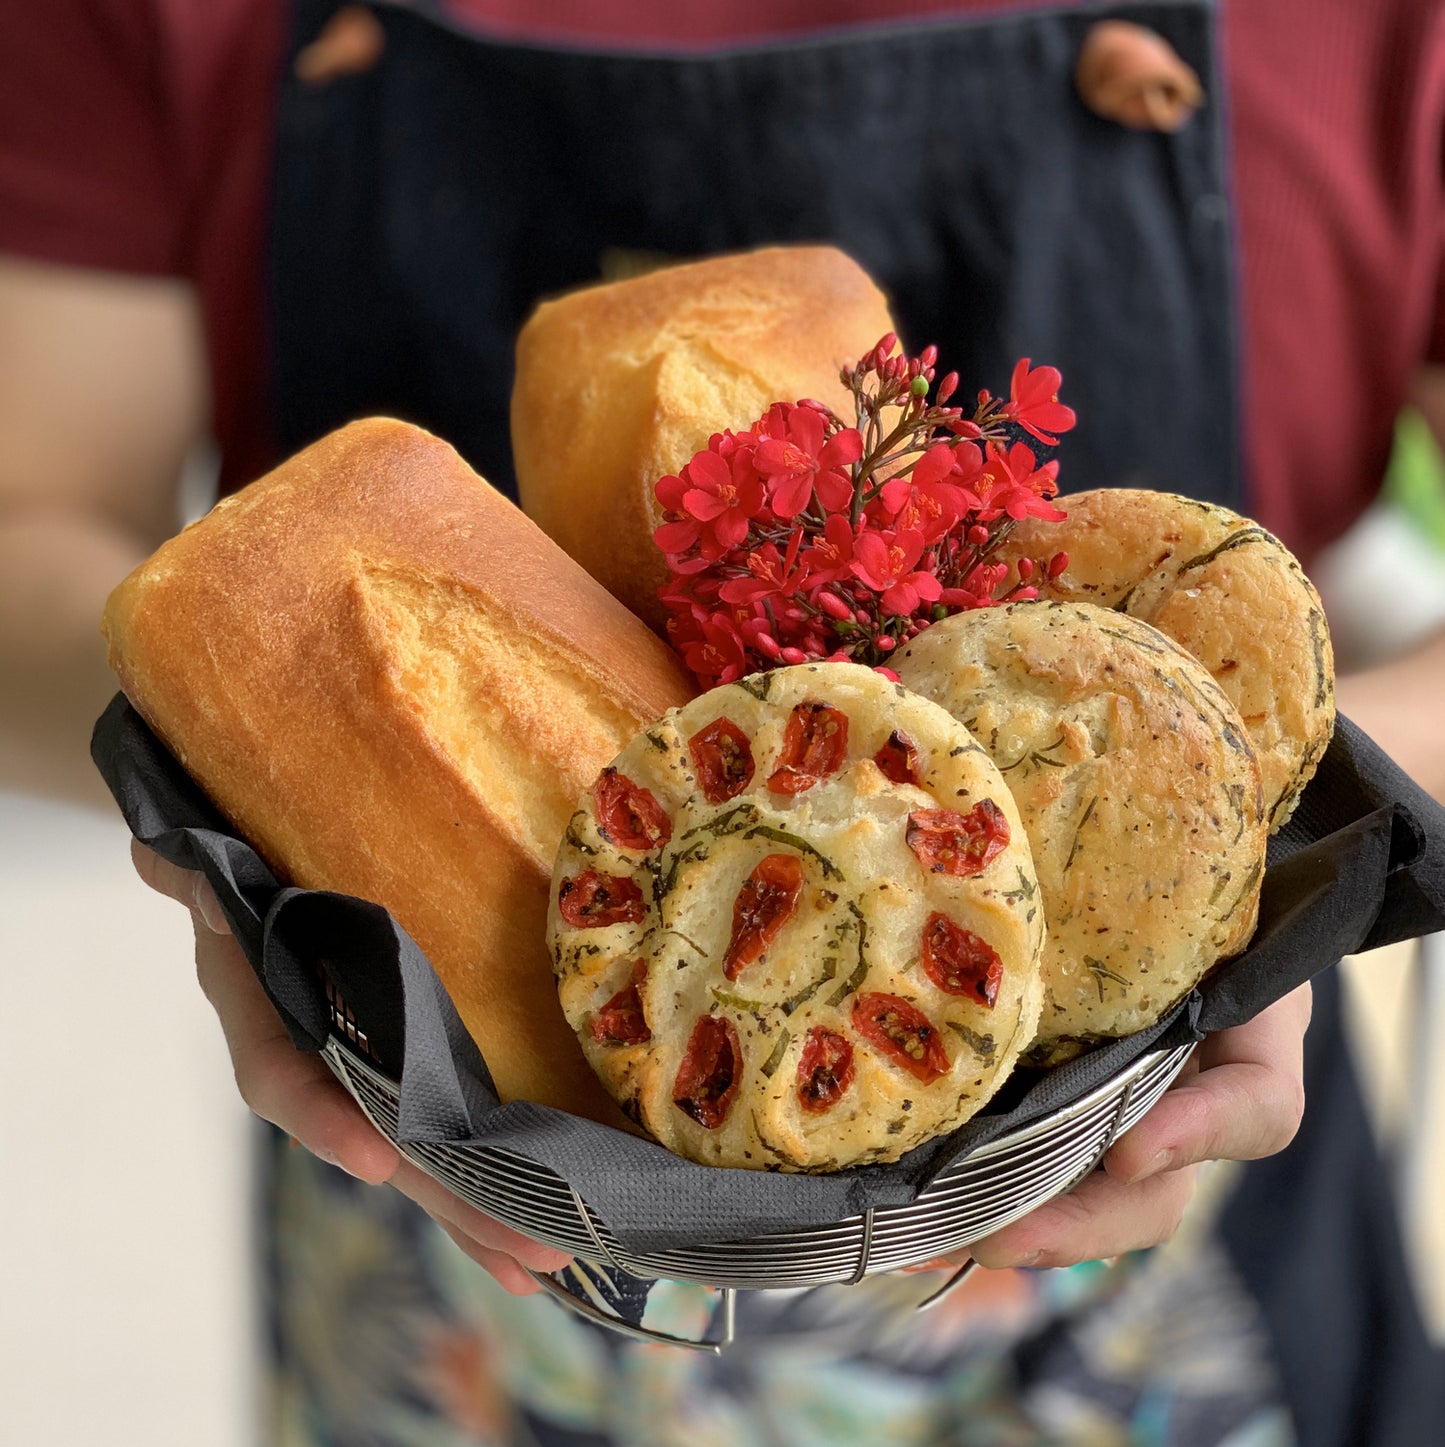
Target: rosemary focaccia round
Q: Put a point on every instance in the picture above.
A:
(1227, 592)
(795, 923)
(1138, 788)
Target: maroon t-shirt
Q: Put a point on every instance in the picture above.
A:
(136, 136)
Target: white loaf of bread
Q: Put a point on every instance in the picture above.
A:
(620, 384)
(395, 686)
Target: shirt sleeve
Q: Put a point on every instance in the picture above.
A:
(84, 127)
(1434, 153)
(1436, 354)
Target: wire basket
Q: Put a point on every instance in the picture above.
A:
(979, 1194)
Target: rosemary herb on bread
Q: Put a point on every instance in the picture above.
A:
(1139, 790)
(1227, 592)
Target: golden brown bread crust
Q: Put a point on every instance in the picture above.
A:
(394, 685)
(1226, 591)
(858, 930)
(618, 385)
(1138, 788)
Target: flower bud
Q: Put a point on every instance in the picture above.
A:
(794, 655)
(928, 356)
(947, 387)
(834, 606)
(978, 535)
(1026, 568)
(861, 614)
(1057, 564)
(766, 644)
(886, 643)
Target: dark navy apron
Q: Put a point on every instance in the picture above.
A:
(422, 209)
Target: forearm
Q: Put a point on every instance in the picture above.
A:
(102, 395)
(59, 568)
(1401, 705)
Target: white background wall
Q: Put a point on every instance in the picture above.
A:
(125, 1308)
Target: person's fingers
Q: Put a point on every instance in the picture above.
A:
(485, 1232)
(1099, 1218)
(1244, 1101)
(292, 1090)
(510, 1274)
(186, 886)
(298, 1093)
(959, 1258)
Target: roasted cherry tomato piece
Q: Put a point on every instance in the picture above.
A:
(766, 902)
(620, 1021)
(959, 962)
(723, 759)
(903, 1033)
(948, 842)
(593, 900)
(628, 814)
(825, 1071)
(815, 742)
(898, 758)
(708, 1077)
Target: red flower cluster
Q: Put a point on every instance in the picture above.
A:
(805, 538)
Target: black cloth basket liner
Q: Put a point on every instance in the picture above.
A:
(1361, 864)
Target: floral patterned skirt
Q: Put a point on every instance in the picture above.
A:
(382, 1334)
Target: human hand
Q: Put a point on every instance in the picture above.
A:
(1239, 1097)
(296, 1091)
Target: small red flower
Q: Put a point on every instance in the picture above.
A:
(1016, 485)
(717, 496)
(831, 556)
(1034, 402)
(771, 574)
(796, 461)
(884, 561)
(930, 500)
(713, 649)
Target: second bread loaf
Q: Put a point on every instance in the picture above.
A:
(618, 385)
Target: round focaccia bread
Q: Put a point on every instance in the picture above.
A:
(1139, 790)
(796, 925)
(1226, 591)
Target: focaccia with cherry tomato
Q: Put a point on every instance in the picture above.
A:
(796, 923)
